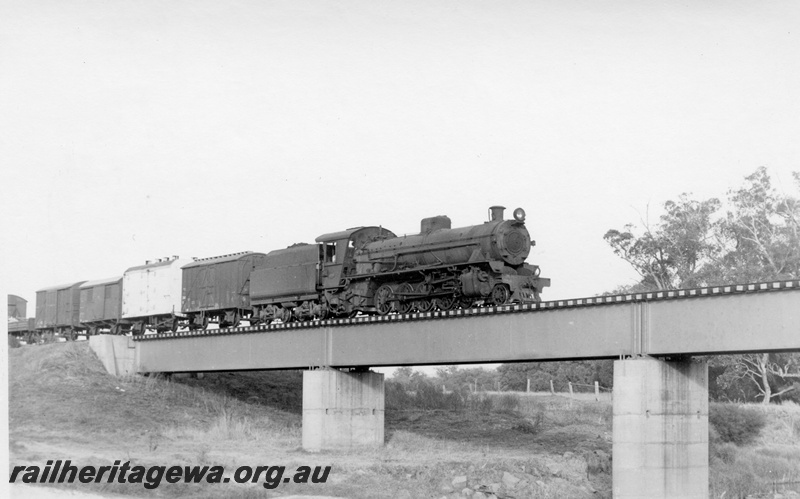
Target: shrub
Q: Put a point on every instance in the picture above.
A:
(13, 342)
(507, 403)
(396, 396)
(426, 397)
(480, 403)
(736, 424)
(531, 425)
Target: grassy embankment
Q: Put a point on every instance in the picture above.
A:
(767, 466)
(64, 406)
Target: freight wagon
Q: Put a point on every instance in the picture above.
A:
(151, 295)
(218, 289)
(58, 309)
(101, 306)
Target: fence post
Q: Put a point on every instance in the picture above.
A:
(552, 389)
(570, 390)
(528, 390)
(597, 390)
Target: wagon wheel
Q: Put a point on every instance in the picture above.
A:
(404, 306)
(284, 314)
(465, 302)
(500, 294)
(383, 296)
(235, 318)
(445, 303)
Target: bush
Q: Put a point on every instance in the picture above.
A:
(736, 424)
(425, 397)
(508, 403)
(532, 425)
(13, 342)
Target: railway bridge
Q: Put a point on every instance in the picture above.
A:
(660, 407)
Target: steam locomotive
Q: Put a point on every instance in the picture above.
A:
(371, 270)
(366, 270)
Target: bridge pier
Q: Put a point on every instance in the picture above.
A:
(660, 429)
(342, 410)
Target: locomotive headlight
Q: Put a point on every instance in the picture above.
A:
(519, 215)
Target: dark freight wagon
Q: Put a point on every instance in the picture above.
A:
(22, 328)
(58, 309)
(18, 324)
(17, 307)
(218, 288)
(101, 305)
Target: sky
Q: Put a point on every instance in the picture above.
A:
(134, 130)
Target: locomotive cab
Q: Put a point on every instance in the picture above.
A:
(338, 250)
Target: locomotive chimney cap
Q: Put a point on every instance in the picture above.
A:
(497, 213)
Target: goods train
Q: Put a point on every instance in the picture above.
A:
(363, 270)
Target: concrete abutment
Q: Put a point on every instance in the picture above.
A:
(660, 429)
(117, 353)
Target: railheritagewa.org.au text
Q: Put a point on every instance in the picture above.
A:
(151, 477)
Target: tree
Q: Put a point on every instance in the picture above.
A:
(410, 378)
(761, 233)
(516, 376)
(471, 378)
(671, 254)
(757, 239)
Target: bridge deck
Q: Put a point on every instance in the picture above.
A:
(717, 320)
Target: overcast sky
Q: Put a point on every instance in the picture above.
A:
(132, 130)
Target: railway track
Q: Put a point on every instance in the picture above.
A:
(677, 294)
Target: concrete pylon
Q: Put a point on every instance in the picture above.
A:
(660, 429)
(342, 410)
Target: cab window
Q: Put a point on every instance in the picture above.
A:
(330, 252)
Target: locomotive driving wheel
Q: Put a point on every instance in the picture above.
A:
(383, 297)
(446, 303)
(404, 305)
(423, 304)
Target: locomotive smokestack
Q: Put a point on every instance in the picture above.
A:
(497, 213)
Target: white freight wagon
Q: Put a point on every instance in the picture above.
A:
(151, 294)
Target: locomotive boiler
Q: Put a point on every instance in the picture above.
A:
(371, 270)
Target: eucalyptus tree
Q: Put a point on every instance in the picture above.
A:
(694, 243)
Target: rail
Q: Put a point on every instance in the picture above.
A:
(654, 296)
